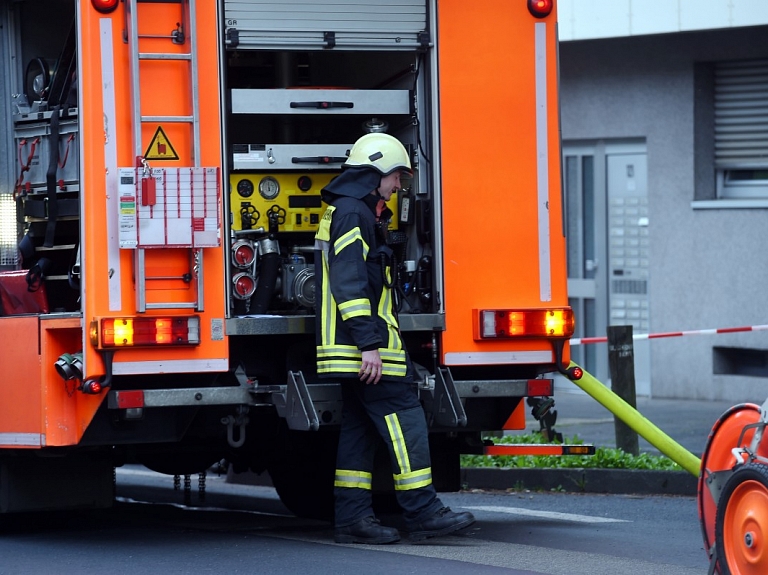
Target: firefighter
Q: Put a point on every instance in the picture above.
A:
(359, 343)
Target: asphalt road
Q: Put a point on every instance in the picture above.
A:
(245, 529)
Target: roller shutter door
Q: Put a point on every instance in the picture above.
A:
(339, 24)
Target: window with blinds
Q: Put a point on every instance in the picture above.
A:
(741, 129)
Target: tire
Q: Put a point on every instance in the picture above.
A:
(741, 525)
(302, 471)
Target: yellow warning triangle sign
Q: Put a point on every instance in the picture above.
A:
(160, 148)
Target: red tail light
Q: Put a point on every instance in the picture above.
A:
(92, 387)
(575, 373)
(509, 323)
(150, 331)
(541, 8)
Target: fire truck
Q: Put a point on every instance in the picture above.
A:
(166, 159)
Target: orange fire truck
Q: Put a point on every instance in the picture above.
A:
(167, 158)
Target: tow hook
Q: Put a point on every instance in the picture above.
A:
(240, 420)
(543, 412)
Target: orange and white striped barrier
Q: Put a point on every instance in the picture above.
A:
(639, 336)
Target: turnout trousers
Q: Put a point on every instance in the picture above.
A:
(389, 410)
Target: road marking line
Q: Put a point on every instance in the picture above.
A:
(547, 514)
(141, 473)
(204, 509)
(472, 550)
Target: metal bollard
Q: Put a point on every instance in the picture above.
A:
(621, 362)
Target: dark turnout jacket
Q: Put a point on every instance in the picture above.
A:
(355, 308)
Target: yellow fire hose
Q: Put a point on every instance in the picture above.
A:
(636, 421)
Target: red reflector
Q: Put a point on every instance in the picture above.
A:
(105, 6)
(539, 387)
(130, 399)
(540, 8)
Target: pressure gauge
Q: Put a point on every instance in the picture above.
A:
(245, 188)
(269, 188)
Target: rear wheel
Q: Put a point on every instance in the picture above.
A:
(741, 527)
(302, 469)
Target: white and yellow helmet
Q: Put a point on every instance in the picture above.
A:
(379, 151)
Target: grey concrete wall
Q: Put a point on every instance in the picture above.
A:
(709, 268)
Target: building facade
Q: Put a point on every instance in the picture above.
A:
(665, 162)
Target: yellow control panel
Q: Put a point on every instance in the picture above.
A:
(293, 196)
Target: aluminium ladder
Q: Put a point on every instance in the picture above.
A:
(184, 34)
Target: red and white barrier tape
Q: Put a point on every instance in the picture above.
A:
(604, 339)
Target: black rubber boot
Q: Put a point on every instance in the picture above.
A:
(441, 523)
(367, 530)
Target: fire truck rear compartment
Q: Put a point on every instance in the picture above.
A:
(270, 410)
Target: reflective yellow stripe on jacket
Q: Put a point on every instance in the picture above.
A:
(355, 308)
(385, 313)
(347, 239)
(347, 358)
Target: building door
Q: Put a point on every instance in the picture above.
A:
(607, 224)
